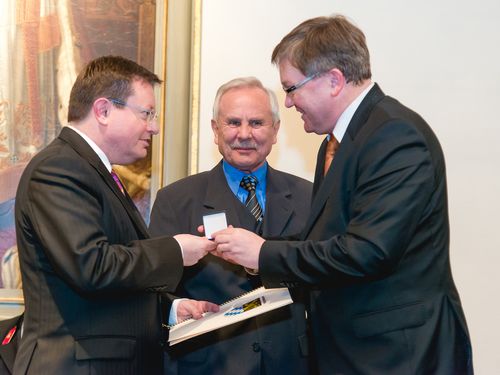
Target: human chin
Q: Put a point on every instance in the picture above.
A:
(244, 152)
(140, 152)
(243, 163)
(308, 128)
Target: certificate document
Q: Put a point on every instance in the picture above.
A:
(213, 223)
(248, 305)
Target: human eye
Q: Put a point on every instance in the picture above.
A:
(256, 123)
(150, 114)
(145, 114)
(289, 89)
(233, 123)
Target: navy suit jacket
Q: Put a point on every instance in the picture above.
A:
(90, 272)
(375, 251)
(273, 343)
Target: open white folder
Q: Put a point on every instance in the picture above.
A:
(248, 305)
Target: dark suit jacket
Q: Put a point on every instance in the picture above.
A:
(89, 271)
(274, 342)
(375, 252)
(8, 346)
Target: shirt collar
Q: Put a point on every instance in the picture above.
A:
(234, 175)
(346, 116)
(94, 147)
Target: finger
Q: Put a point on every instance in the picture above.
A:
(225, 231)
(197, 316)
(210, 307)
(226, 256)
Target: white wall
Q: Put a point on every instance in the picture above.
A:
(440, 58)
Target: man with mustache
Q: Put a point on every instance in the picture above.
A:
(245, 125)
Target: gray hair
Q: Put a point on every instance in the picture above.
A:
(244, 82)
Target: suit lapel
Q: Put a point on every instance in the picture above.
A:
(86, 152)
(364, 111)
(216, 197)
(320, 162)
(278, 205)
(278, 195)
(323, 186)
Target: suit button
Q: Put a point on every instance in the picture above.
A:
(256, 347)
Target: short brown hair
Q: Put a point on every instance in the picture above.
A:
(323, 43)
(106, 76)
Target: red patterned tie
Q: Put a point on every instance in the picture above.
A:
(118, 182)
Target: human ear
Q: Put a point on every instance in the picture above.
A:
(276, 128)
(336, 81)
(215, 129)
(101, 108)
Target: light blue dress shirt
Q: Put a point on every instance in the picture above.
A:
(234, 176)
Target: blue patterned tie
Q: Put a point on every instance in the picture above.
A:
(248, 183)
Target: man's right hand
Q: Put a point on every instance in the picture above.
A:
(193, 247)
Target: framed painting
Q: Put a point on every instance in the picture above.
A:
(43, 45)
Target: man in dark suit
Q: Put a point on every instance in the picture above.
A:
(375, 249)
(245, 125)
(91, 274)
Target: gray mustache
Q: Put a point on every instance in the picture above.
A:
(249, 145)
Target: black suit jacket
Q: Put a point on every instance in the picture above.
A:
(273, 343)
(375, 251)
(90, 273)
(9, 342)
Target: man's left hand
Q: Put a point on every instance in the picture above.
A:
(239, 246)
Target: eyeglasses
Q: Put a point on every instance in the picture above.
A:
(292, 88)
(150, 115)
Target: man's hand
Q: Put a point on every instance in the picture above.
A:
(239, 246)
(190, 308)
(193, 247)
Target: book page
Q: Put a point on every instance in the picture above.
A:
(248, 305)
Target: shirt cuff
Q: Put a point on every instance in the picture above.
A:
(172, 317)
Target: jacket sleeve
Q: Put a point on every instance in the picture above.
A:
(392, 186)
(83, 233)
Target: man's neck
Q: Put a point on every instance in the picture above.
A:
(94, 145)
(352, 91)
(349, 94)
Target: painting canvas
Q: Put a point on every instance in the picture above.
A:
(43, 45)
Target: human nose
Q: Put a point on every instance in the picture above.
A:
(153, 127)
(244, 131)
(288, 101)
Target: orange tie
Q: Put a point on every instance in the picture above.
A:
(331, 148)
